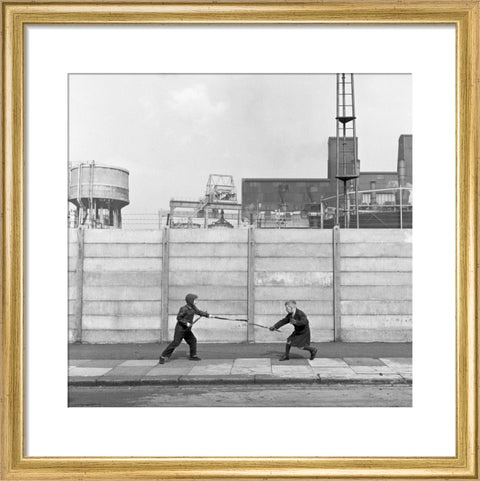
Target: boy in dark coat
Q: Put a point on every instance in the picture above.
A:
(300, 337)
(183, 329)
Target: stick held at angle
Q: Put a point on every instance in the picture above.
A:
(237, 320)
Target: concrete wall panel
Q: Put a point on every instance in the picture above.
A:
(208, 293)
(377, 335)
(295, 293)
(376, 279)
(121, 293)
(128, 278)
(294, 250)
(222, 264)
(122, 264)
(115, 336)
(121, 322)
(375, 235)
(376, 264)
(377, 249)
(360, 308)
(289, 264)
(208, 235)
(377, 293)
(377, 322)
(123, 250)
(209, 250)
(187, 278)
(294, 279)
(296, 236)
(121, 308)
(120, 236)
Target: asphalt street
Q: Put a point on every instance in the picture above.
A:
(245, 396)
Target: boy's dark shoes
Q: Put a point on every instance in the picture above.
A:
(313, 353)
(284, 358)
(161, 360)
(194, 358)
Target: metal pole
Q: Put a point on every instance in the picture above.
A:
(355, 150)
(337, 319)
(401, 209)
(337, 217)
(251, 285)
(356, 203)
(165, 284)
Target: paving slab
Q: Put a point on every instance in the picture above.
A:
(139, 362)
(88, 371)
(363, 361)
(328, 362)
(213, 369)
(103, 363)
(339, 371)
(169, 370)
(372, 369)
(290, 362)
(402, 361)
(245, 370)
(294, 371)
(128, 371)
(247, 362)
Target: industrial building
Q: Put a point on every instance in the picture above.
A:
(98, 193)
(309, 199)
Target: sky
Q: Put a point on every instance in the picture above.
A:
(171, 131)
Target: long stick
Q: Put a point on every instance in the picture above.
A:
(236, 320)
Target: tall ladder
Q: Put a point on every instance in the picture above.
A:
(346, 147)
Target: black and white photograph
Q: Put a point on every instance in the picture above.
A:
(240, 240)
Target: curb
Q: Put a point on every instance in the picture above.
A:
(257, 379)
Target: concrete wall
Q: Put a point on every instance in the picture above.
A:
(121, 286)
(294, 264)
(376, 285)
(127, 286)
(211, 263)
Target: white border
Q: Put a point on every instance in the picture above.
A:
(426, 429)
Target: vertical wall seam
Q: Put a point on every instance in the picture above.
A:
(251, 285)
(78, 335)
(337, 316)
(165, 284)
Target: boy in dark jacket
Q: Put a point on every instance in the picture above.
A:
(300, 337)
(183, 329)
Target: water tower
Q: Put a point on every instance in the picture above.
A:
(98, 192)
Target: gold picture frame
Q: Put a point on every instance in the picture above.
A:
(464, 15)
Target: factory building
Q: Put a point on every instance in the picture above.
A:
(299, 202)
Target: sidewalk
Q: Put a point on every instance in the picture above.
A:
(137, 364)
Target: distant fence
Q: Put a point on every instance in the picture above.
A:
(127, 286)
(378, 209)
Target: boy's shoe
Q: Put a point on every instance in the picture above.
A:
(194, 358)
(161, 360)
(284, 358)
(313, 354)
